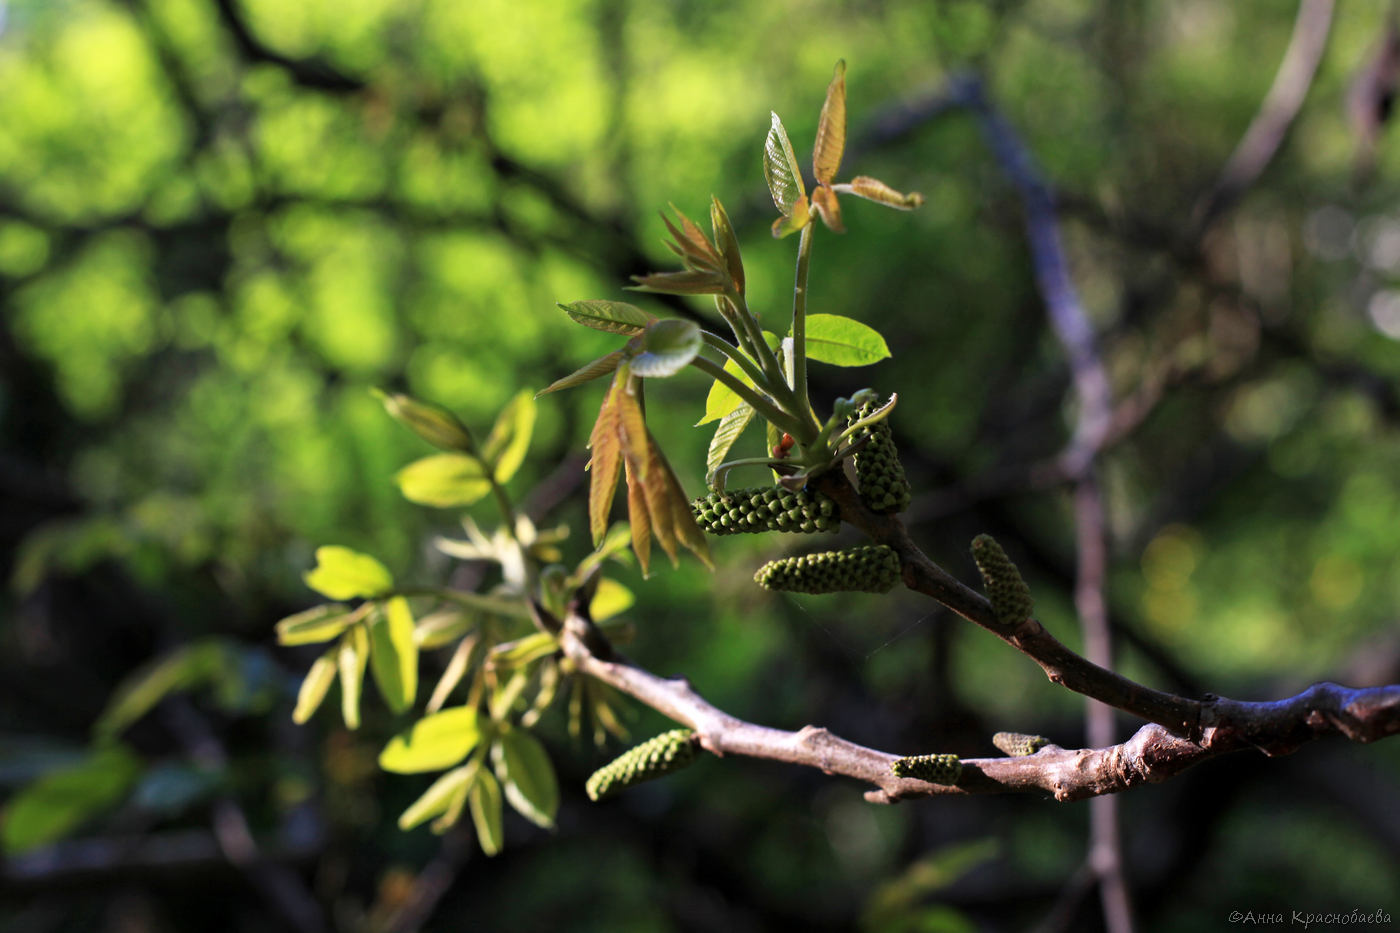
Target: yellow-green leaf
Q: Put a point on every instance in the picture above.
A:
(730, 427)
(351, 658)
(484, 798)
(722, 399)
(615, 317)
(436, 741)
(527, 775)
(609, 599)
(60, 801)
(341, 573)
(444, 480)
(639, 521)
(828, 208)
(313, 626)
(393, 654)
(780, 169)
(315, 686)
(439, 796)
(432, 423)
(522, 651)
(510, 437)
(842, 341)
(831, 129)
(586, 373)
(789, 224)
(457, 667)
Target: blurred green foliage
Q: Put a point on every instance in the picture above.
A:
(223, 221)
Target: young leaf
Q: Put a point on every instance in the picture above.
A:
(831, 129)
(686, 282)
(484, 798)
(438, 797)
(730, 427)
(444, 480)
(586, 373)
(722, 399)
(828, 209)
(436, 741)
(452, 675)
(792, 223)
(656, 492)
(842, 341)
(780, 169)
(315, 687)
(727, 243)
(527, 775)
(522, 651)
(60, 801)
(638, 520)
(351, 657)
(510, 437)
(432, 423)
(453, 812)
(442, 627)
(606, 444)
(393, 654)
(668, 346)
(872, 189)
(313, 626)
(341, 573)
(612, 316)
(609, 599)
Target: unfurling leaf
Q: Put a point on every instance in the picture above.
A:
(444, 480)
(691, 244)
(873, 189)
(606, 444)
(727, 243)
(780, 169)
(831, 130)
(432, 423)
(667, 347)
(688, 282)
(315, 687)
(639, 520)
(510, 436)
(615, 317)
(436, 741)
(341, 573)
(589, 371)
(842, 341)
(439, 797)
(484, 798)
(788, 224)
(828, 208)
(527, 776)
(730, 427)
(393, 654)
(314, 625)
(351, 657)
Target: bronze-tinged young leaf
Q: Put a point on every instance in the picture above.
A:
(586, 373)
(615, 317)
(699, 282)
(683, 522)
(393, 654)
(527, 775)
(872, 189)
(789, 224)
(657, 493)
(831, 130)
(728, 243)
(437, 798)
(780, 169)
(606, 444)
(639, 519)
(691, 244)
(828, 208)
(631, 430)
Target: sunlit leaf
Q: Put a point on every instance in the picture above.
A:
(484, 798)
(60, 801)
(442, 627)
(631, 428)
(657, 495)
(792, 223)
(393, 654)
(586, 373)
(522, 651)
(780, 169)
(842, 341)
(606, 444)
(510, 436)
(527, 776)
(438, 797)
(831, 130)
(313, 626)
(873, 189)
(613, 316)
(730, 427)
(315, 686)
(609, 599)
(687, 282)
(444, 480)
(668, 346)
(437, 741)
(638, 521)
(351, 658)
(456, 804)
(722, 399)
(828, 209)
(341, 573)
(727, 243)
(691, 244)
(457, 667)
(432, 423)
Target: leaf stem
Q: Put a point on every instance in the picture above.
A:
(799, 325)
(760, 403)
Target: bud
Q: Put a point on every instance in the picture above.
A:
(654, 758)
(436, 425)
(936, 769)
(1009, 595)
(867, 569)
(1018, 744)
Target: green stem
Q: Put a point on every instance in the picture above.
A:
(799, 324)
(742, 359)
(763, 353)
(760, 404)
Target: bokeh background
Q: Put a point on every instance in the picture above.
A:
(223, 221)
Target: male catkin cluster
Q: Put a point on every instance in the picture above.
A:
(1018, 744)
(867, 569)
(654, 758)
(936, 769)
(879, 474)
(765, 508)
(1008, 593)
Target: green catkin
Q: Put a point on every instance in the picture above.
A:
(879, 474)
(1018, 744)
(765, 508)
(654, 758)
(936, 769)
(867, 569)
(1008, 593)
